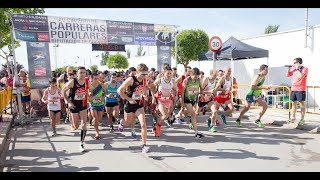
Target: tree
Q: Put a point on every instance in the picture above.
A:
(5, 37)
(5, 69)
(139, 51)
(117, 61)
(190, 44)
(128, 53)
(271, 29)
(94, 68)
(104, 57)
(63, 69)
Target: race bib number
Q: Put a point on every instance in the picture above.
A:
(97, 100)
(136, 96)
(79, 97)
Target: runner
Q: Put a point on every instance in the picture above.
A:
(96, 99)
(52, 97)
(131, 72)
(166, 90)
(24, 87)
(224, 89)
(255, 95)
(191, 88)
(134, 104)
(78, 102)
(179, 82)
(112, 101)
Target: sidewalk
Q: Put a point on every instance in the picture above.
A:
(5, 127)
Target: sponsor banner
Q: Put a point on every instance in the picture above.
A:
(118, 39)
(163, 56)
(164, 39)
(76, 30)
(108, 47)
(32, 28)
(120, 28)
(144, 34)
(39, 64)
(145, 40)
(164, 28)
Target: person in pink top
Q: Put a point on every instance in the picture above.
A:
(298, 88)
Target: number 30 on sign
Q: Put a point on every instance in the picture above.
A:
(215, 44)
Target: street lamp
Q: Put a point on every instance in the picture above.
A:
(56, 54)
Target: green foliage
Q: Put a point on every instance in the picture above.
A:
(117, 61)
(63, 69)
(271, 29)
(104, 58)
(190, 43)
(94, 68)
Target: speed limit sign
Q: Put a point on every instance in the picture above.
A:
(215, 44)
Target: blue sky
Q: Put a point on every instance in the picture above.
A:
(223, 22)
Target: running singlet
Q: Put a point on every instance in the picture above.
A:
(136, 90)
(113, 92)
(210, 86)
(255, 93)
(78, 94)
(192, 90)
(164, 89)
(226, 84)
(180, 84)
(54, 102)
(97, 99)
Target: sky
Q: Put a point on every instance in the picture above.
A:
(223, 22)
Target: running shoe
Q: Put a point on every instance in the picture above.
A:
(54, 133)
(120, 127)
(212, 129)
(301, 123)
(82, 148)
(259, 123)
(199, 135)
(145, 149)
(238, 122)
(133, 134)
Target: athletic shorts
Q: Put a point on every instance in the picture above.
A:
(298, 96)
(132, 108)
(222, 99)
(187, 101)
(78, 109)
(97, 108)
(25, 99)
(112, 104)
(56, 111)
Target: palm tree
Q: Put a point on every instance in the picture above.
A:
(271, 29)
(104, 57)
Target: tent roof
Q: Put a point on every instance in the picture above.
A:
(235, 49)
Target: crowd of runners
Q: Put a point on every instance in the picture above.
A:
(81, 96)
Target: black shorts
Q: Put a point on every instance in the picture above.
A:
(132, 108)
(202, 104)
(298, 96)
(55, 112)
(78, 109)
(187, 101)
(112, 104)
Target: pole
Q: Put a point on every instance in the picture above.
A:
(176, 48)
(15, 70)
(306, 28)
(268, 72)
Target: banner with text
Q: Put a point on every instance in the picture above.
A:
(39, 64)
(163, 56)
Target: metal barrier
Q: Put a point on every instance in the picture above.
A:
(5, 99)
(277, 98)
(315, 111)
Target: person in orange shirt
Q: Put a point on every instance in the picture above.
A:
(298, 88)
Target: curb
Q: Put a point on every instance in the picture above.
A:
(4, 132)
(306, 127)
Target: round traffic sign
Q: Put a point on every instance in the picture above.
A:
(215, 44)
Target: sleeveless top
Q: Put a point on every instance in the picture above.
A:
(192, 90)
(136, 90)
(226, 84)
(209, 87)
(165, 88)
(56, 105)
(98, 98)
(78, 93)
(259, 84)
(180, 84)
(113, 91)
